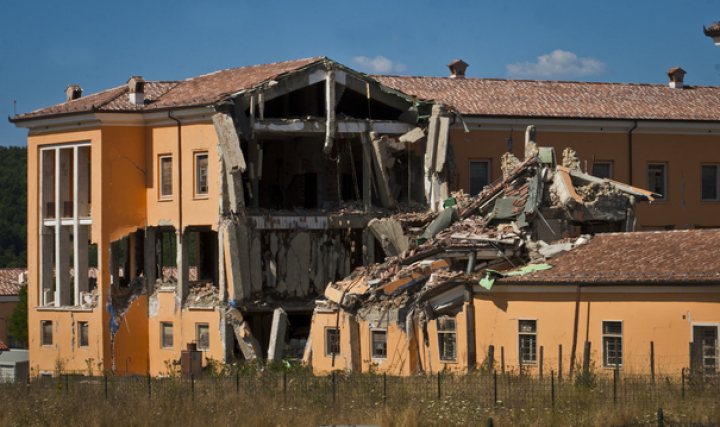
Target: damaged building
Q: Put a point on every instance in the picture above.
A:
(216, 210)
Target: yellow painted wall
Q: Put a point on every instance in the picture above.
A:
(184, 332)
(684, 154)
(663, 318)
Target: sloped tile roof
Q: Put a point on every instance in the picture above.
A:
(9, 280)
(196, 91)
(641, 257)
(537, 98)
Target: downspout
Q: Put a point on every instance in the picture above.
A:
(630, 156)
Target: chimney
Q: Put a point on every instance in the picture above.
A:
(73, 92)
(457, 69)
(136, 89)
(676, 77)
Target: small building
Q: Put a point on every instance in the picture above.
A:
(14, 365)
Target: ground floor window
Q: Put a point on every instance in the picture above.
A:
(612, 344)
(705, 340)
(166, 335)
(447, 339)
(47, 332)
(527, 341)
(84, 332)
(378, 337)
(203, 336)
(332, 342)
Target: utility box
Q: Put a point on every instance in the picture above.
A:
(191, 361)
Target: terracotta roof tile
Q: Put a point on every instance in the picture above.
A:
(656, 257)
(3, 347)
(196, 91)
(10, 280)
(537, 98)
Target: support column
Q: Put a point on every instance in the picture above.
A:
(159, 242)
(80, 210)
(150, 259)
(139, 253)
(277, 335)
(367, 172)
(330, 102)
(222, 278)
(183, 288)
(254, 155)
(127, 264)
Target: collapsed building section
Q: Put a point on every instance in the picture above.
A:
(536, 211)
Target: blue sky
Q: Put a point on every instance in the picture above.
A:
(45, 46)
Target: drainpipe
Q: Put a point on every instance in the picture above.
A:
(630, 152)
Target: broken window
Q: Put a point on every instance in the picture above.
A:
(165, 176)
(656, 179)
(166, 335)
(47, 333)
(378, 338)
(612, 344)
(527, 341)
(201, 174)
(710, 182)
(479, 176)
(332, 342)
(203, 336)
(84, 333)
(447, 339)
(602, 170)
(705, 339)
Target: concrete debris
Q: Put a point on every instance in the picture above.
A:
(277, 335)
(248, 344)
(508, 163)
(570, 159)
(390, 234)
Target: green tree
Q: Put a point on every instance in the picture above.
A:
(17, 322)
(13, 207)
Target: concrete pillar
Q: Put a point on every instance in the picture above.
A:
(80, 241)
(254, 155)
(80, 210)
(222, 277)
(127, 262)
(138, 252)
(183, 285)
(277, 335)
(47, 243)
(62, 233)
(159, 253)
(367, 172)
(150, 258)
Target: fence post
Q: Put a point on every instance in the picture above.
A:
(552, 388)
(192, 386)
(586, 358)
(495, 390)
(615, 378)
(661, 418)
(490, 422)
(149, 385)
(502, 359)
(683, 384)
(106, 396)
(439, 389)
(384, 388)
(541, 362)
(491, 358)
(652, 361)
(559, 362)
(284, 385)
(237, 382)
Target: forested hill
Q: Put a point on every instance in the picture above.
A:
(13, 207)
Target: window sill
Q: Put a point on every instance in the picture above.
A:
(330, 356)
(612, 368)
(202, 197)
(165, 199)
(66, 308)
(378, 359)
(454, 362)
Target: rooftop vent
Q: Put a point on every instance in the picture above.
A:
(136, 89)
(73, 92)
(676, 77)
(457, 69)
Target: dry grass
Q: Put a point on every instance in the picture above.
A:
(260, 402)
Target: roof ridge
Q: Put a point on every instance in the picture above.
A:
(318, 58)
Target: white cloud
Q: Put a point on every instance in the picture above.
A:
(379, 64)
(558, 64)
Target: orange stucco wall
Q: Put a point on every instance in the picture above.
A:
(684, 154)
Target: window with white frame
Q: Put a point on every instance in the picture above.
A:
(479, 176)
(612, 345)
(447, 338)
(332, 342)
(166, 335)
(47, 332)
(84, 332)
(657, 179)
(602, 170)
(705, 340)
(527, 341)
(201, 174)
(378, 340)
(710, 182)
(202, 336)
(166, 189)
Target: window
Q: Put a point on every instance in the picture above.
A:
(201, 174)
(656, 179)
(612, 344)
(166, 335)
(447, 339)
(332, 342)
(705, 339)
(166, 176)
(527, 341)
(47, 338)
(479, 176)
(203, 336)
(84, 333)
(710, 182)
(602, 170)
(378, 340)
